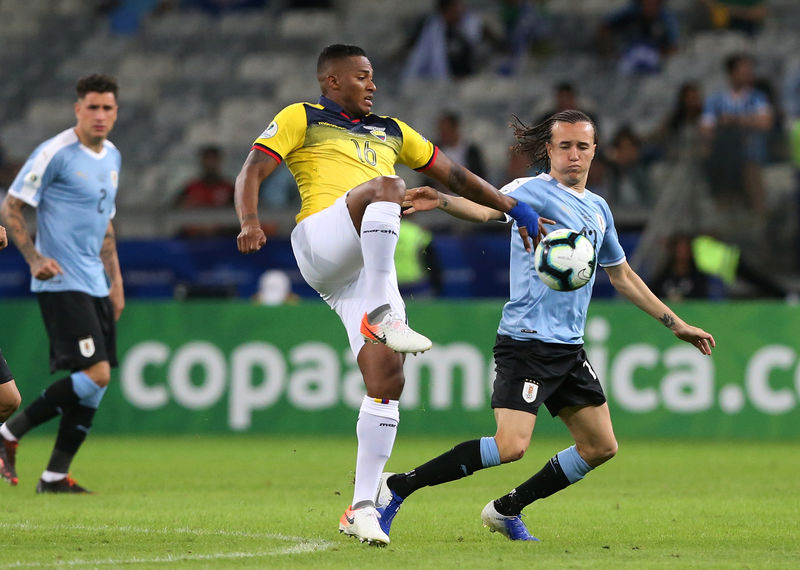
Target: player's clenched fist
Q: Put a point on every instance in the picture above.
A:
(3, 238)
(44, 268)
(250, 239)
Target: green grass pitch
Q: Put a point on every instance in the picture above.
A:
(274, 502)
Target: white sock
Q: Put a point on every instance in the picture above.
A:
(6, 433)
(380, 229)
(376, 430)
(50, 476)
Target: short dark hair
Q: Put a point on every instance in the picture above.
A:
(96, 83)
(532, 141)
(625, 132)
(451, 117)
(337, 51)
(565, 86)
(733, 60)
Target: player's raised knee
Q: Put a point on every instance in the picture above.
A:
(389, 189)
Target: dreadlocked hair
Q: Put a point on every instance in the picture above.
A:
(532, 140)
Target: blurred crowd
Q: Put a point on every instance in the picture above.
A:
(722, 160)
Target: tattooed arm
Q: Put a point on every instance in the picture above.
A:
(11, 214)
(476, 189)
(108, 255)
(469, 185)
(630, 285)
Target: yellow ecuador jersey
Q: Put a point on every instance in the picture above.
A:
(328, 152)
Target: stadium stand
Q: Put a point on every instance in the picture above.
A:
(191, 78)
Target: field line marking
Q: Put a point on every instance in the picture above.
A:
(301, 546)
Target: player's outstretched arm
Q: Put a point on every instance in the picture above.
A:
(11, 215)
(630, 285)
(255, 169)
(474, 188)
(426, 198)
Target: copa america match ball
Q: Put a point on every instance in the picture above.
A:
(565, 260)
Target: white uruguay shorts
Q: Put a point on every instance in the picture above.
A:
(327, 248)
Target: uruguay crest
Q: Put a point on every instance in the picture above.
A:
(86, 346)
(530, 389)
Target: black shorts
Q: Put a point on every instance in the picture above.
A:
(5, 371)
(531, 373)
(81, 329)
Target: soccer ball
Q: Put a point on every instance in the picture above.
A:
(565, 260)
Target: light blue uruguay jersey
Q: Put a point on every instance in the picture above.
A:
(73, 189)
(535, 311)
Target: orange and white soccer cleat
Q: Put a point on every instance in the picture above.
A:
(363, 524)
(394, 333)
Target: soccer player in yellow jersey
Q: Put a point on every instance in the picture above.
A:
(342, 157)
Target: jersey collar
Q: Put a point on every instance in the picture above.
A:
(557, 184)
(336, 108)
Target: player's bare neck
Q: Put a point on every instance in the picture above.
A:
(576, 186)
(94, 144)
(352, 113)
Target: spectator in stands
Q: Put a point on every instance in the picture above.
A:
(735, 120)
(680, 278)
(794, 149)
(279, 190)
(523, 25)
(209, 190)
(450, 140)
(725, 261)
(678, 134)
(275, 288)
(220, 7)
(8, 168)
(642, 35)
(776, 141)
(627, 184)
(419, 273)
(565, 97)
(743, 15)
(445, 43)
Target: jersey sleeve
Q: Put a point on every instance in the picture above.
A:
(611, 252)
(34, 176)
(116, 183)
(417, 152)
(526, 190)
(285, 133)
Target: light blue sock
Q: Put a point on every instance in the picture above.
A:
(572, 464)
(88, 392)
(490, 454)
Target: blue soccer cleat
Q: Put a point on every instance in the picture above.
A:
(387, 503)
(511, 527)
